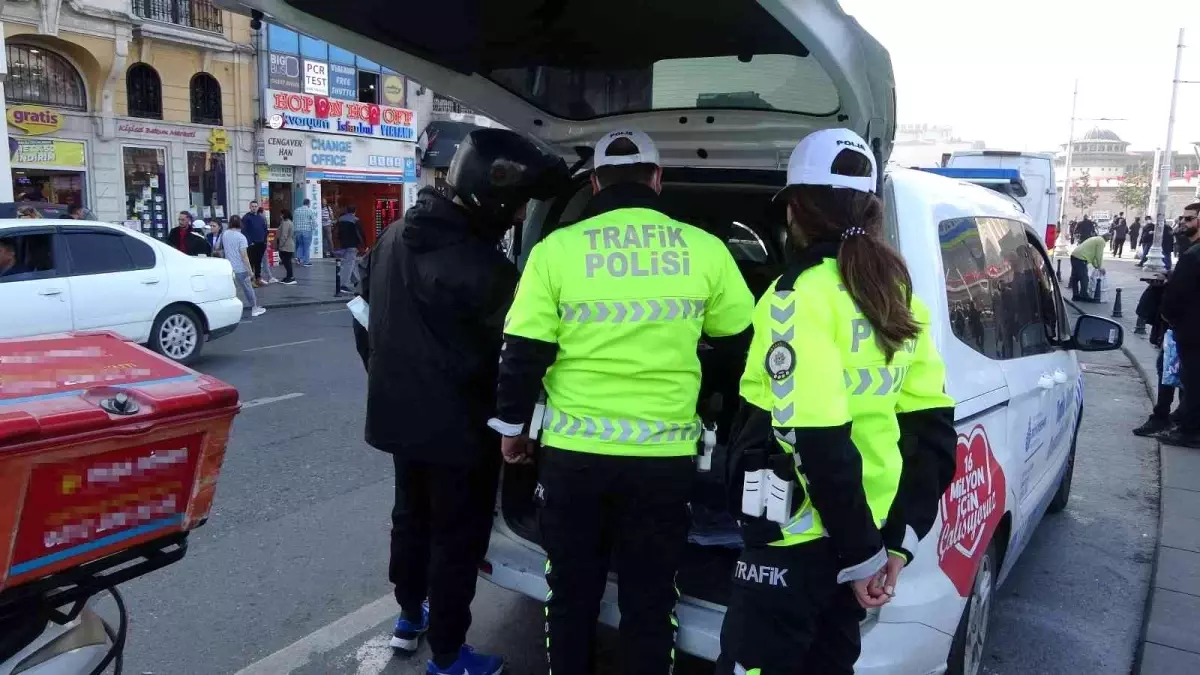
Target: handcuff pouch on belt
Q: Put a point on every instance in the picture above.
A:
(765, 492)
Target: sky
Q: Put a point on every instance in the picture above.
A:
(1002, 72)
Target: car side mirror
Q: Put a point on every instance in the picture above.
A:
(1097, 334)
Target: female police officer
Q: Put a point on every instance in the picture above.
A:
(840, 369)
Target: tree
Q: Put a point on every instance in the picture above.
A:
(1134, 190)
(1083, 193)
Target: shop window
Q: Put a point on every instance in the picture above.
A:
(206, 99)
(39, 76)
(368, 87)
(146, 189)
(144, 90)
(206, 185)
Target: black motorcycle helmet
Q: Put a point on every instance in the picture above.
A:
(495, 171)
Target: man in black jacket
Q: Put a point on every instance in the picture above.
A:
(1180, 312)
(438, 289)
(349, 240)
(1085, 229)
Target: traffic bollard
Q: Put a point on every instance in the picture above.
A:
(1096, 291)
(1116, 313)
(337, 277)
(1060, 270)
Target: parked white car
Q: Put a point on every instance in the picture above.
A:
(73, 275)
(726, 90)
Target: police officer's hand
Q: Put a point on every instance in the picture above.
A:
(869, 592)
(516, 449)
(891, 573)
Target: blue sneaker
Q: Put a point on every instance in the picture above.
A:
(469, 663)
(407, 635)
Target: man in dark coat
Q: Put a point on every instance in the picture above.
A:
(1085, 229)
(1120, 230)
(183, 239)
(1182, 313)
(438, 289)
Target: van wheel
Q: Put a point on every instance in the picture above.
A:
(177, 334)
(970, 640)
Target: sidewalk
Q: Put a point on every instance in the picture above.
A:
(314, 286)
(1170, 630)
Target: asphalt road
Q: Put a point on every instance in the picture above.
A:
(289, 575)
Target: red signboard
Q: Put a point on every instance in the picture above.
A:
(970, 509)
(75, 506)
(55, 365)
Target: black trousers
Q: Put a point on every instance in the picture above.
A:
(255, 253)
(1118, 247)
(595, 506)
(286, 258)
(1189, 379)
(440, 528)
(1079, 278)
(787, 614)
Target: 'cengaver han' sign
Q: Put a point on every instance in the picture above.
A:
(284, 148)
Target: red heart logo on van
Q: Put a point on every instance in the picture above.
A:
(970, 509)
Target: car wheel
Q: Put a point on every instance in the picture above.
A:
(178, 335)
(970, 640)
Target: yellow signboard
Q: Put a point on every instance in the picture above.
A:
(218, 140)
(43, 152)
(34, 119)
(393, 90)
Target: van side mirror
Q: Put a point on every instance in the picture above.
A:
(1097, 334)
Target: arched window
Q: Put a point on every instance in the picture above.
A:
(39, 76)
(144, 90)
(206, 99)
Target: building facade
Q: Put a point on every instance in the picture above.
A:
(136, 109)
(1107, 160)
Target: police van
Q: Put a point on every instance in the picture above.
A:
(726, 90)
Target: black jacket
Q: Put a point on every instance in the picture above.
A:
(1085, 230)
(184, 240)
(1179, 306)
(349, 231)
(438, 290)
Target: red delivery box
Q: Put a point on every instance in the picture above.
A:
(104, 446)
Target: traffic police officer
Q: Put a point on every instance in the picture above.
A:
(607, 317)
(840, 368)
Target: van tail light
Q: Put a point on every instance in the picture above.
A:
(1051, 235)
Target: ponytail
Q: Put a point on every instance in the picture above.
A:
(875, 275)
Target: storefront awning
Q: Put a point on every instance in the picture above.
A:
(442, 142)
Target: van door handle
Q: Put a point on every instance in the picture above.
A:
(1060, 377)
(1046, 381)
(50, 291)
(150, 281)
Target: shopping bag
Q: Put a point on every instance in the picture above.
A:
(1097, 285)
(1170, 372)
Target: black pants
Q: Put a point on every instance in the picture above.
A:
(440, 528)
(286, 258)
(1118, 247)
(593, 506)
(1079, 278)
(255, 253)
(1189, 379)
(787, 615)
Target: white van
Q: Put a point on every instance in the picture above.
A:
(1037, 171)
(727, 91)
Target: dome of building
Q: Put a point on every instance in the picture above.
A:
(1099, 134)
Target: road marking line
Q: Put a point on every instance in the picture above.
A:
(285, 344)
(335, 311)
(270, 399)
(324, 639)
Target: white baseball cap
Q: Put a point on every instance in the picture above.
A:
(811, 162)
(646, 152)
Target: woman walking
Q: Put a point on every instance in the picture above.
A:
(285, 243)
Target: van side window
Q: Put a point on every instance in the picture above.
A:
(999, 303)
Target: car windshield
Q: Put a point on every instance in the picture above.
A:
(781, 82)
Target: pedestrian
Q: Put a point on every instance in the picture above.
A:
(1134, 230)
(254, 229)
(307, 221)
(76, 212)
(1073, 229)
(1090, 252)
(285, 243)
(1085, 229)
(1179, 310)
(624, 495)
(1146, 241)
(183, 237)
(214, 236)
(349, 241)
(1120, 231)
(437, 290)
(236, 250)
(327, 228)
(1168, 245)
(852, 523)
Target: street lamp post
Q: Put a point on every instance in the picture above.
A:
(1154, 260)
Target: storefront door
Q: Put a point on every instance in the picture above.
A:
(145, 171)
